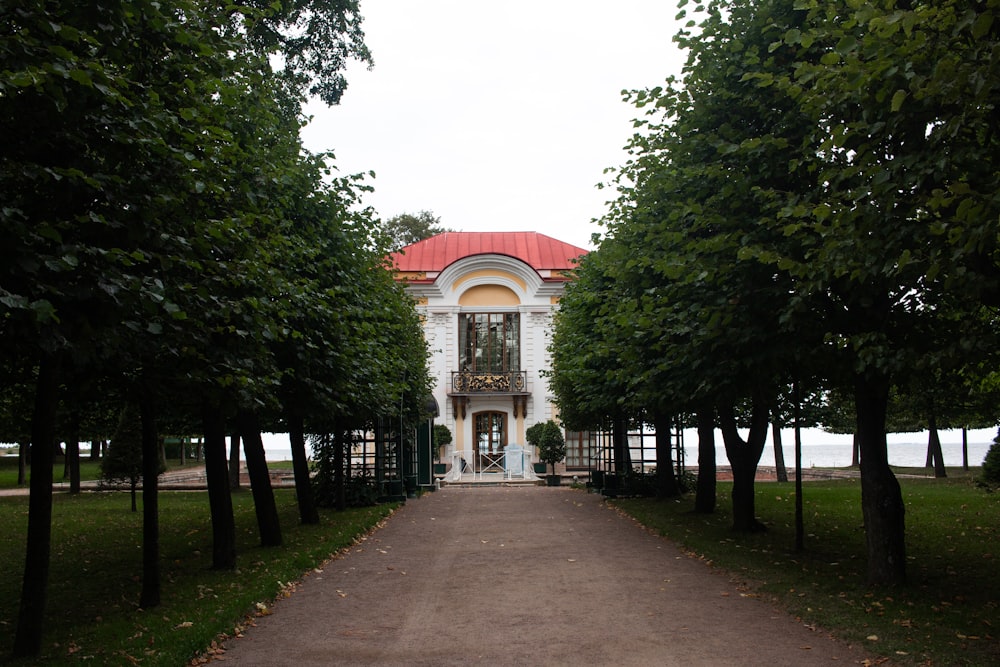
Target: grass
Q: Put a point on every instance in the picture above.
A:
(92, 615)
(90, 470)
(947, 615)
(949, 612)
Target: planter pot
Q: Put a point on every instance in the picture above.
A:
(540, 468)
(553, 480)
(440, 468)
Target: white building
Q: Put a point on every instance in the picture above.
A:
(487, 300)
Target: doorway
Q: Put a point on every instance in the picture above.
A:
(490, 432)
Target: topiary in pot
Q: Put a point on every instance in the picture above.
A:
(548, 438)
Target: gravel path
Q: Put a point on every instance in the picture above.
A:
(524, 576)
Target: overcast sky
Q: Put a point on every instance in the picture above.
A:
(498, 116)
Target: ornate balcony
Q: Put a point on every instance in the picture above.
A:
(475, 382)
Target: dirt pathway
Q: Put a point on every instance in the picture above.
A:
(524, 576)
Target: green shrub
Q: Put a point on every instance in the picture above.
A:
(548, 438)
(991, 464)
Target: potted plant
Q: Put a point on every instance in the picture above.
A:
(441, 436)
(548, 438)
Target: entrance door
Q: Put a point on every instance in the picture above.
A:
(491, 432)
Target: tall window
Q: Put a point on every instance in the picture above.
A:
(489, 342)
(491, 432)
(581, 446)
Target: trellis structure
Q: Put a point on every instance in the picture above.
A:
(397, 457)
(626, 449)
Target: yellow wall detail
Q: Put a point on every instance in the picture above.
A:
(488, 273)
(553, 300)
(488, 295)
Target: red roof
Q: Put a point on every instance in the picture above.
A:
(540, 252)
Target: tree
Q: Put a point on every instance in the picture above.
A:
(123, 462)
(406, 228)
(897, 229)
(143, 180)
(441, 436)
(693, 204)
(548, 438)
(991, 464)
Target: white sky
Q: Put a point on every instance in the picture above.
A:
(497, 116)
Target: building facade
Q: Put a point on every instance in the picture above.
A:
(487, 301)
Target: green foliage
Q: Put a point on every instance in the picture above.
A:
(360, 490)
(123, 461)
(359, 487)
(812, 201)
(991, 465)
(408, 228)
(441, 436)
(548, 437)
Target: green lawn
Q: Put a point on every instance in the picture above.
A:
(92, 615)
(89, 470)
(948, 614)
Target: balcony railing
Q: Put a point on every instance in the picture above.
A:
(476, 382)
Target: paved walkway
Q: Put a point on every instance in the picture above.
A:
(524, 576)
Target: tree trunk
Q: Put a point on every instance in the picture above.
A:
(666, 481)
(623, 457)
(95, 450)
(934, 447)
(881, 498)
(704, 500)
(965, 448)
(340, 444)
(65, 455)
(220, 502)
(73, 453)
(856, 450)
(260, 480)
(308, 513)
(779, 453)
(234, 460)
(151, 466)
(34, 588)
(22, 462)
(133, 487)
(744, 455)
(799, 523)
